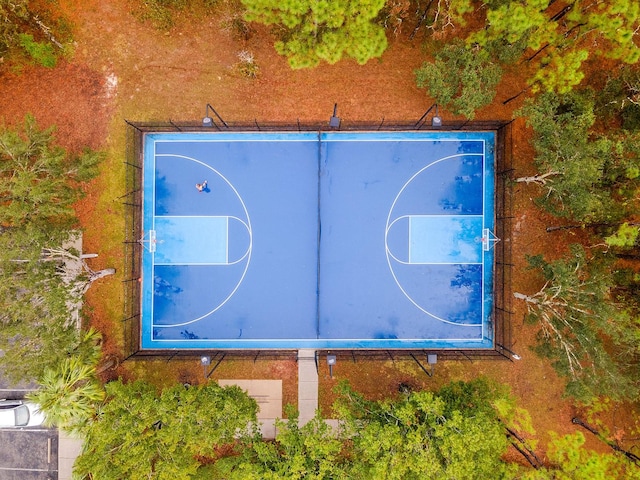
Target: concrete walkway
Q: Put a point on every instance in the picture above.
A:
(307, 385)
(68, 449)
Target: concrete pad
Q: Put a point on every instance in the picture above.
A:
(68, 450)
(268, 394)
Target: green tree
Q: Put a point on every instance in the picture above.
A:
(453, 78)
(452, 433)
(626, 236)
(624, 244)
(583, 174)
(70, 392)
(621, 93)
(460, 431)
(311, 452)
(560, 73)
(514, 20)
(563, 38)
(582, 329)
(37, 328)
(41, 291)
(569, 460)
(39, 182)
(140, 434)
(311, 31)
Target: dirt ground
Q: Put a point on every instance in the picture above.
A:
(125, 69)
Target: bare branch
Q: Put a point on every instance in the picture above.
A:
(540, 179)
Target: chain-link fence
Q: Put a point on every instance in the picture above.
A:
(500, 319)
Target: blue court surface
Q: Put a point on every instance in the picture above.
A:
(333, 240)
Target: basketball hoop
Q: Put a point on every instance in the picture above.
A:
(151, 242)
(489, 240)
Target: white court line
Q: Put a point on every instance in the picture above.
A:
(440, 263)
(398, 140)
(484, 206)
(389, 223)
(199, 216)
(247, 254)
(238, 140)
(411, 217)
(433, 215)
(327, 339)
(182, 264)
(310, 140)
(409, 239)
(153, 255)
(374, 137)
(227, 217)
(484, 225)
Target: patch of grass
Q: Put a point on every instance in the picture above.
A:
(161, 13)
(41, 53)
(33, 33)
(103, 226)
(211, 4)
(158, 12)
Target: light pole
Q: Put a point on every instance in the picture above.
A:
(436, 121)
(205, 361)
(207, 121)
(331, 361)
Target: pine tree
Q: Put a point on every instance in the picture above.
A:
(314, 31)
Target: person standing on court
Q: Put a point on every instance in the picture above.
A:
(201, 186)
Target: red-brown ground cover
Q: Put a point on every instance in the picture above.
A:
(125, 69)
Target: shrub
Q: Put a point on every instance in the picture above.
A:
(247, 67)
(42, 53)
(631, 117)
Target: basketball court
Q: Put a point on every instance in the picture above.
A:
(326, 240)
